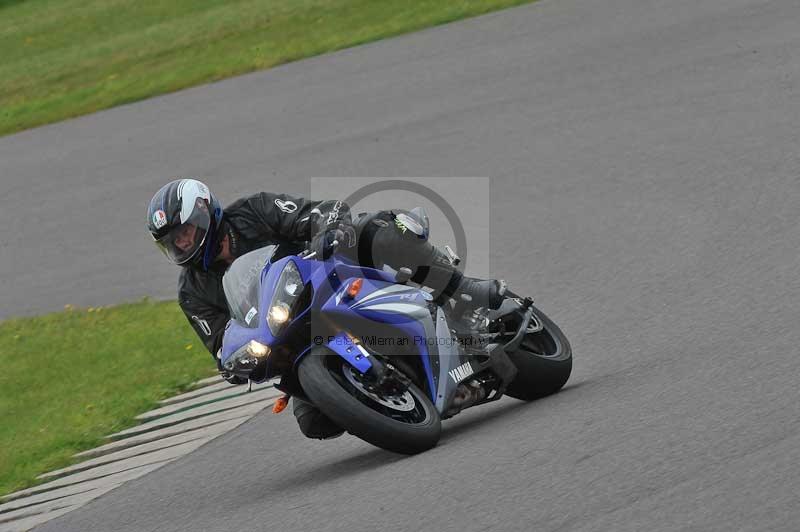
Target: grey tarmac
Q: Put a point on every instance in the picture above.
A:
(645, 191)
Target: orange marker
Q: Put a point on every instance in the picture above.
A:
(354, 287)
(280, 403)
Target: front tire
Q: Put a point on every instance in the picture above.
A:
(413, 428)
(544, 362)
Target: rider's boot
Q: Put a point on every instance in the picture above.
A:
(486, 293)
(449, 282)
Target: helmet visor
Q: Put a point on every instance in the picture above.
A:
(185, 241)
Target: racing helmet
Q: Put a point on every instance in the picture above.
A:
(184, 219)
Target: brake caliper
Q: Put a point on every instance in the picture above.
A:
(386, 379)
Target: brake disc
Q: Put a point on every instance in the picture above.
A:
(402, 403)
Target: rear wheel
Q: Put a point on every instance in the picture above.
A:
(544, 361)
(406, 423)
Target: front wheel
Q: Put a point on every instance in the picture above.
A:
(543, 360)
(406, 424)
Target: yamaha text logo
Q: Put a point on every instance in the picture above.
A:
(461, 372)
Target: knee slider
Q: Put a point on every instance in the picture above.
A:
(316, 425)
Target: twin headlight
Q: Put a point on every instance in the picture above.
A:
(246, 358)
(287, 291)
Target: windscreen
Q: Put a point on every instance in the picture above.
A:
(242, 285)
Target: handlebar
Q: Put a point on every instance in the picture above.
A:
(308, 254)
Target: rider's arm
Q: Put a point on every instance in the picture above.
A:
(297, 219)
(207, 320)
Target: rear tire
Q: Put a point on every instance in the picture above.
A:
(321, 374)
(544, 362)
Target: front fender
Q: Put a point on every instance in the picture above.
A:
(343, 345)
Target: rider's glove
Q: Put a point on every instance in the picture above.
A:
(327, 240)
(233, 379)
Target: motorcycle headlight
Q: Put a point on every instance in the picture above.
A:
(287, 291)
(245, 359)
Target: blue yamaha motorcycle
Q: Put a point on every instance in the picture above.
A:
(377, 356)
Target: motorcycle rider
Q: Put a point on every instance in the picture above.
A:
(189, 225)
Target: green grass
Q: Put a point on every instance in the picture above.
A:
(70, 378)
(63, 58)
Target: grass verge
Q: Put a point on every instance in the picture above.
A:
(72, 377)
(63, 58)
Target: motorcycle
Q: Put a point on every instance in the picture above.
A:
(378, 356)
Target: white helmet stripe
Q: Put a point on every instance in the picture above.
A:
(188, 192)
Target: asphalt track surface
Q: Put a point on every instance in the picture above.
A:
(646, 191)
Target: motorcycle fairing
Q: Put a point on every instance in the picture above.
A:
(403, 307)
